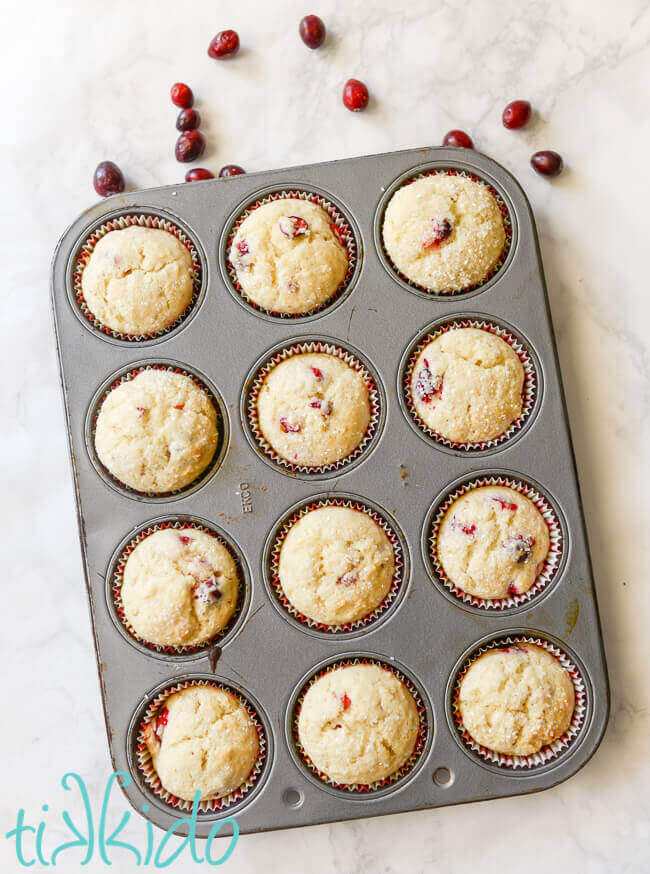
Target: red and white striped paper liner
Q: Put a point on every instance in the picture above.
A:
(300, 348)
(131, 374)
(409, 764)
(507, 227)
(117, 578)
(551, 564)
(148, 771)
(380, 609)
(550, 751)
(528, 394)
(117, 224)
(341, 229)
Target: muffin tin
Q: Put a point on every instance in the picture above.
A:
(427, 634)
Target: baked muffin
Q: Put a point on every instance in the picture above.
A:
(286, 256)
(179, 587)
(138, 280)
(202, 739)
(156, 432)
(516, 700)
(336, 565)
(358, 724)
(313, 409)
(443, 232)
(467, 385)
(493, 542)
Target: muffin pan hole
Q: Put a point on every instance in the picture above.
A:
(531, 392)
(443, 777)
(124, 375)
(437, 168)
(264, 366)
(554, 562)
(394, 781)
(382, 612)
(182, 653)
(342, 224)
(548, 756)
(141, 765)
(120, 220)
(293, 798)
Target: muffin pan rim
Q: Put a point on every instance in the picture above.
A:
(519, 297)
(203, 649)
(373, 625)
(185, 320)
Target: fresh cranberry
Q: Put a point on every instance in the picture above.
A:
(312, 31)
(188, 119)
(231, 170)
(108, 179)
(224, 45)
(181, 95)
(242, 248)
(141, 410)
(345, 701)
(292, 226)
(197, 173)
(288, 427)
(547, 163)
(189, 146)
(504, 504)
(318, 373)
(459, 139)
(184, 539)
(427, 385)
(442, 229)
(516, 114)
(355, 95)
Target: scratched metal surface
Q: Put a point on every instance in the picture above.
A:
(403, 474)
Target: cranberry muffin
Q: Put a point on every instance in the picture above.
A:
(467, 385)
(516, 699)
(287, 257)
(336, 565)
(156, 432)
(493, 542)
(138, 280)
(179, 587)
(444, 232)
(358, 724)
(202, 740)
(313, 409)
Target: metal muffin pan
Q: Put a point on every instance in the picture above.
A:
(428, 633)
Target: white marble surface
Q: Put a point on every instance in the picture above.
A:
(86, 81)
